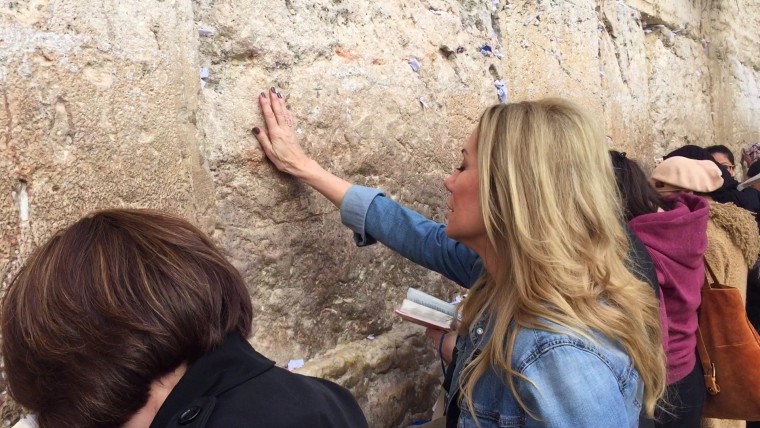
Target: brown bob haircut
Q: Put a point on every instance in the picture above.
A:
(107, 306)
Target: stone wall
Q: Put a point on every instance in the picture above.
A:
(149, 103)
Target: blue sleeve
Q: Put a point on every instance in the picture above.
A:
(373, 217)
(572, 387)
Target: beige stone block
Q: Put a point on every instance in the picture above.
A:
(96, 115)
(399, 363)
(680, 92)
(733, 63)
(624, 74)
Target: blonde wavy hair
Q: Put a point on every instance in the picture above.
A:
(554, 222)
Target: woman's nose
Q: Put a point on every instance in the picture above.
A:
(448, 181)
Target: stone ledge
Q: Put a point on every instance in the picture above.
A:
(386, 375)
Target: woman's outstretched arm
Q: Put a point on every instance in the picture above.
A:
(366, 211)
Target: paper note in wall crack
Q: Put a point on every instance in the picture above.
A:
(295, 364)
(501, 91)
(414, 64)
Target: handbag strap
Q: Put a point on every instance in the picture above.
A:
(712, 275)
(708, 367)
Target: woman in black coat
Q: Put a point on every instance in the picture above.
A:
(132, 318)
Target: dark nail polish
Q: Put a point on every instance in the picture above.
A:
(263, 95)
(256, 131)
(273, 90)
(279, 95)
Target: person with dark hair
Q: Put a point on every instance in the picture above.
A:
(753, 277)
(637, 198)
(732, 240)
(750, 155)
(752, 183)
(753, 177)
(674, 230)
(724, 157)
(133, 318)
(749, 199)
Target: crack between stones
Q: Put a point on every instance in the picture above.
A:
(301, 219)
(608, 29)
(9, 125)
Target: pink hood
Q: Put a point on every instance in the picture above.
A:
(676, 240)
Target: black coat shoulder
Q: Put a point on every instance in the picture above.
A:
(279, 398)
(235, 386)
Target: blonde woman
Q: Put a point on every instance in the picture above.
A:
(556, 330)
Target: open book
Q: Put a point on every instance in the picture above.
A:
(426, 310)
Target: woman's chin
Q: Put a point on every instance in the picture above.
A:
(451, 232)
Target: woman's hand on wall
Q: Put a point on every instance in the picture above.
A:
(278, 137)
(279, 142)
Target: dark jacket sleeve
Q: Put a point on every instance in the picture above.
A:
(640, 263)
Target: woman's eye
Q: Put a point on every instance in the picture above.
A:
(460, 168)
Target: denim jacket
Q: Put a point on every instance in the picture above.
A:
(574, 382)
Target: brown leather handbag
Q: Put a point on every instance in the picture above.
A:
(729, 351)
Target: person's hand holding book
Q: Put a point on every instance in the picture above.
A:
(445, 348)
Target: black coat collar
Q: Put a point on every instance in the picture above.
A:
(231, 364)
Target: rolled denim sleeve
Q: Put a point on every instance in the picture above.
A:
(353, 212)
(573, 387)
(373, 217)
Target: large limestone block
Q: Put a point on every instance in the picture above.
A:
(97, 104)
(732, 47)
(98, 111)
(552, 49)
(344, 70)
(625, 79)
(395, 377)
(679, 88)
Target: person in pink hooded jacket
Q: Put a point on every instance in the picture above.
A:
(672, 223)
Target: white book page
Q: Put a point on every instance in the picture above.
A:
(425, 299)
(424, 316)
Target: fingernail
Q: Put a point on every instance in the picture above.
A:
(272, 89)
(263, 95)
(256, 131)
(279, 95)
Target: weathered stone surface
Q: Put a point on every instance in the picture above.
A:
(732, 42)
(96, 117)
(624, 76)
(399, 363)
(102, 104)
(683, 60)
